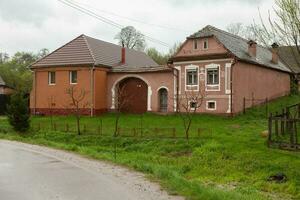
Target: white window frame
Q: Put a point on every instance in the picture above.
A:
(227, 77)
(191, 67)
(50, 76)
(192, 109)
(212, 66)
(211, 101)
(205, 41)
(70, 77)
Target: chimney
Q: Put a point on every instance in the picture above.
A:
(123, 56)
(252, 48)
(275, 56)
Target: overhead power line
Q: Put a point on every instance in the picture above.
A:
(131, 19)
(106, 20)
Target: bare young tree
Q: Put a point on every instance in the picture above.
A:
(121, 99)
(51, 104)
(131, 38)
(248, 32)
(77, 102)
(188, 104)
(283, 29)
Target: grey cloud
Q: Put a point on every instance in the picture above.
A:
(25, 11)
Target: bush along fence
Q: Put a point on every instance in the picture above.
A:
(283, 128)
(145, 132)
(247, 103)
(4, 100)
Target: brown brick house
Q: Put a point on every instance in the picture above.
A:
(226, 67)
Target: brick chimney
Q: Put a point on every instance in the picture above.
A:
(275, 56)
(252, 48)
(123, 56)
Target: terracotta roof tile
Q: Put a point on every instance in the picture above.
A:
(87, 50)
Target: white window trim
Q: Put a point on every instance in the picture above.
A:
(227, 65)
(49, 78)
(211, 101)
(192, 109)
(179, 86)
(198, 77)
(203, 61)
(205, 40)
(212, 66)
(70, 77)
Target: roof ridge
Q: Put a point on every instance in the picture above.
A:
(88, 45)
(82, 35)
(227, 33)
(113, 44)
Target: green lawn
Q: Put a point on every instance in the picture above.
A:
(229, 160)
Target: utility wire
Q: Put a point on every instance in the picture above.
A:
(131, 19)
(106, 20)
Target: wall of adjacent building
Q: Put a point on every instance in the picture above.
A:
(253, 81)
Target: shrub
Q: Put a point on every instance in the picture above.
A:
(18, 112)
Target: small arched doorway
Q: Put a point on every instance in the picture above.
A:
(163, 100)
(132, 93)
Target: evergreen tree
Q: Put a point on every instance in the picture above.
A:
(18, 112)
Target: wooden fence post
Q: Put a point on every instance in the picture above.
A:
(174, 132)
(282, 122)
(276, 124)
(295, 134)
(267, 107)
(287, 124)
(101, 127)
(244, 105)
(270, 130)
(292, 135)
(98, 130)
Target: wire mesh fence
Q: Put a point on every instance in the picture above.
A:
(133, 132)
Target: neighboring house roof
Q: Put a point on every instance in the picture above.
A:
(87, 50)
(239, 47)
(290, 56)
(2, 83)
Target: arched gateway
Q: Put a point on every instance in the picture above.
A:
(132, 95)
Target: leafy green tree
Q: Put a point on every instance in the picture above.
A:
(15, 71)
(18, 112)
(158, 57)
(161, 58)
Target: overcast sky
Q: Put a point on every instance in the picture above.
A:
(29, 25)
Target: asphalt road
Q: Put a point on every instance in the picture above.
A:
(30, 175)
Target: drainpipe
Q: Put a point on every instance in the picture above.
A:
(34, 109)
(177, 75)
(92, 90)
(231, 86)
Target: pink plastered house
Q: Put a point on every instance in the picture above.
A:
(225, 68)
